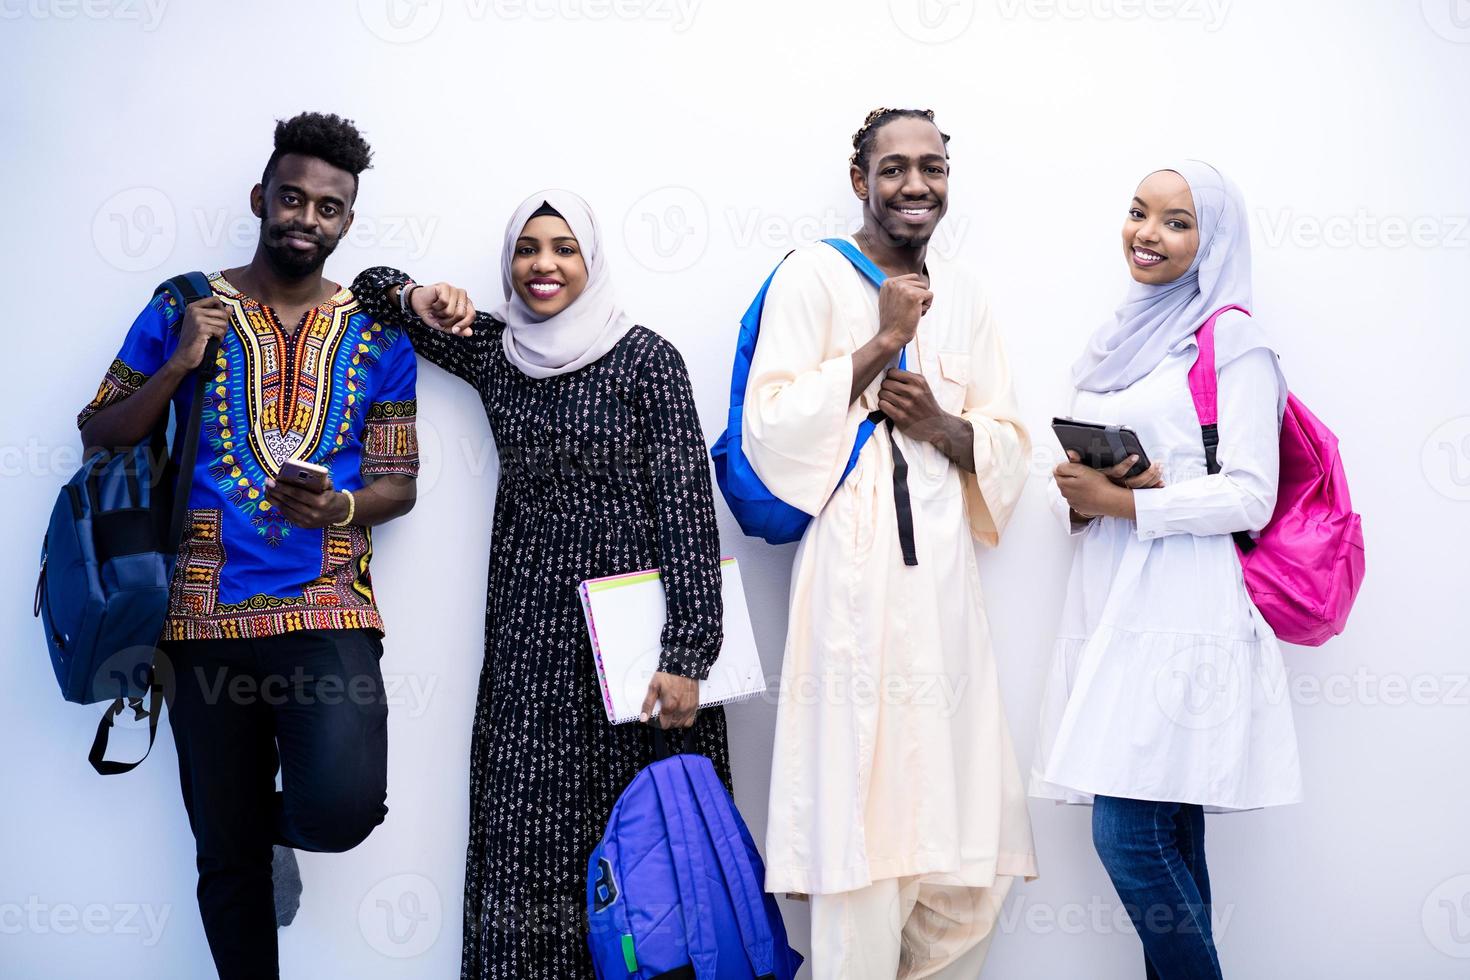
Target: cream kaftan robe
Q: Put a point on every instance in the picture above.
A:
(892, 754)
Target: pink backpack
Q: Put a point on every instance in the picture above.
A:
(1304, 570)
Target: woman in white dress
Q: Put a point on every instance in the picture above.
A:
(1166, 695)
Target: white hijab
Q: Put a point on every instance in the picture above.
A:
(589, 327)
(1153, 320)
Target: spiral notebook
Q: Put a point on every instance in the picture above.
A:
(625, 615)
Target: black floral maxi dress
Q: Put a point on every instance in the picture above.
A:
(602, 471)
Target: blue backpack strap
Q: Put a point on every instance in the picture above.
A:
(690, 875)
(184, 289)
(714, 807)
(190, 287)
(901, 502)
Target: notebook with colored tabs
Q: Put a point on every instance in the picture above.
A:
(625, 616)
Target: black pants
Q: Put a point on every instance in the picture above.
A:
(308, 703)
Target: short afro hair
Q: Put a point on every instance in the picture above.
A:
(326, 136)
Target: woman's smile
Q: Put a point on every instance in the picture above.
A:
(544, 287)
(1145, 257)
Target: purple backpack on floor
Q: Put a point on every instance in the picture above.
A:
(676, 888)
(1304, 570)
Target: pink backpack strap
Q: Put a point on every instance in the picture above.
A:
(1204, 386)
(1203, 383)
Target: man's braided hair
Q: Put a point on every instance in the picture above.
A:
(862, 140)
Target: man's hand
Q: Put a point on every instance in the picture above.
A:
(204, 320)
(901, 301)
(679, 697)
(906, 398)
(306, 508)
(444, 307)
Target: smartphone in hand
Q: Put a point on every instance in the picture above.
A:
(307, 476)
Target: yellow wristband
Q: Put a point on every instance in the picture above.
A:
(351, 509)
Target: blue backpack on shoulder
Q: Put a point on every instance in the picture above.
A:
(675, 891)
(760, 513)
(108, 557)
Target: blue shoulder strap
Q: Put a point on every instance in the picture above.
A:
(901, 500)
(691, 877)
(748, 892)
(187, 288)
(866, 426)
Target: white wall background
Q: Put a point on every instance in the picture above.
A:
(711, 136)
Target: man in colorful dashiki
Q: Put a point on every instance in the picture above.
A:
(271, 646)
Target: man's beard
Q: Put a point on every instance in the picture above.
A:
(288, 261)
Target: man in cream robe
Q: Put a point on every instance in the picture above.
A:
(896, 801)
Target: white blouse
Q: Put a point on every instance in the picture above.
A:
(1165, 683)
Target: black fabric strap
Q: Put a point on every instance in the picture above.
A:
(901, 503)
(1210, 435)
(104, 729)
(190, 451)
(661, 737)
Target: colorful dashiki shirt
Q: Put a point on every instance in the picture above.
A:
(339, 392)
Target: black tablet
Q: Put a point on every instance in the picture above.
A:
(1101, 446)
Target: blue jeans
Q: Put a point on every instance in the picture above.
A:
(1155, 854)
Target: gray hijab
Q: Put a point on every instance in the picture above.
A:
(589, 327)
(1154, 319)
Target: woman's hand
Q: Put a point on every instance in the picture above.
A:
(444, 307)
(1094, 493)
(679, 697)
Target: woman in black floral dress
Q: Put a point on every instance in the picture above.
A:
(602, 471)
